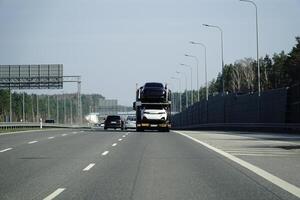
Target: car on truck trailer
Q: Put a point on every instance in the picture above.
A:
(153, 107)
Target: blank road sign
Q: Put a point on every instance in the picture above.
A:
(31, 76)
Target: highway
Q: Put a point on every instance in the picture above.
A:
(97, 164)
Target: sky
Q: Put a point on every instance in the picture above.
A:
(114, 44)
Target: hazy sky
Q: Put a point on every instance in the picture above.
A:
(114, 44)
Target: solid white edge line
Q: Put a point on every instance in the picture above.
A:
(114, 144)
(32, 142)
(54, 194)
(87, 168)
(262, 173)
(105, 153)
(8, 149)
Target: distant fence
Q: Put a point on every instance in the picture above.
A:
(18, 125)
(278, 106)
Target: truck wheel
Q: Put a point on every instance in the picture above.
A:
(140, 130)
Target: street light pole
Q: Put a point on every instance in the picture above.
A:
(222, 54)
(198, 96)
(257, 45)
(186, 96)
(192, 99)
(57, 111)
(179, 81)
(205, 63)
(10, 105)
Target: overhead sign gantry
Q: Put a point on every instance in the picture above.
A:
(44, 76)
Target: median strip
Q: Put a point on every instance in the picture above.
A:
(5, 150)
(54, 194)
(87, 168)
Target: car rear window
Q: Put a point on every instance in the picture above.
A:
(158, 85)
(113, 118)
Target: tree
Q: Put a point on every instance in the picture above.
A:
(293, 64)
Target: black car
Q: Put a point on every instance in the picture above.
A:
(113, 121)
(154, 91)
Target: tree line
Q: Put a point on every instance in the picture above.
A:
(277, 71)
(66, 105)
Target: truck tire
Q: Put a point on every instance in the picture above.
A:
(139, 129)
(164, 130)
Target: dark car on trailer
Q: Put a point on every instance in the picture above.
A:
(153, 91)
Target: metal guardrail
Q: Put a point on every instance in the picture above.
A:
(292, 127)
(15, 125)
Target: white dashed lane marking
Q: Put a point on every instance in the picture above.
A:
(8, 149)
(50, 138)
(124, 136)
(105, 153)
(54, 194)
(64, 134)
(32, 142)
(120, 139)
(87, 168)
(74, 132)
(114, 144)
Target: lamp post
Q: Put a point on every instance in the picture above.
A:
(179, 81)
(205, 64)
(23, 106)
(197, 61)
(191, 69)
(257, 45)
(222, 53)
(186, 96)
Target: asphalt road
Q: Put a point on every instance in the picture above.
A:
(85, 164)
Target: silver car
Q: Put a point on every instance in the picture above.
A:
(130, 122)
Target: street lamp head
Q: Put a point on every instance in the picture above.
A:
(186, 55)
(192, 42)
(182, 64)
(205, 24)
(177, 72)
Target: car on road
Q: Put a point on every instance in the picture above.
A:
(114, 122)
(130, 122)
(50, 121)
